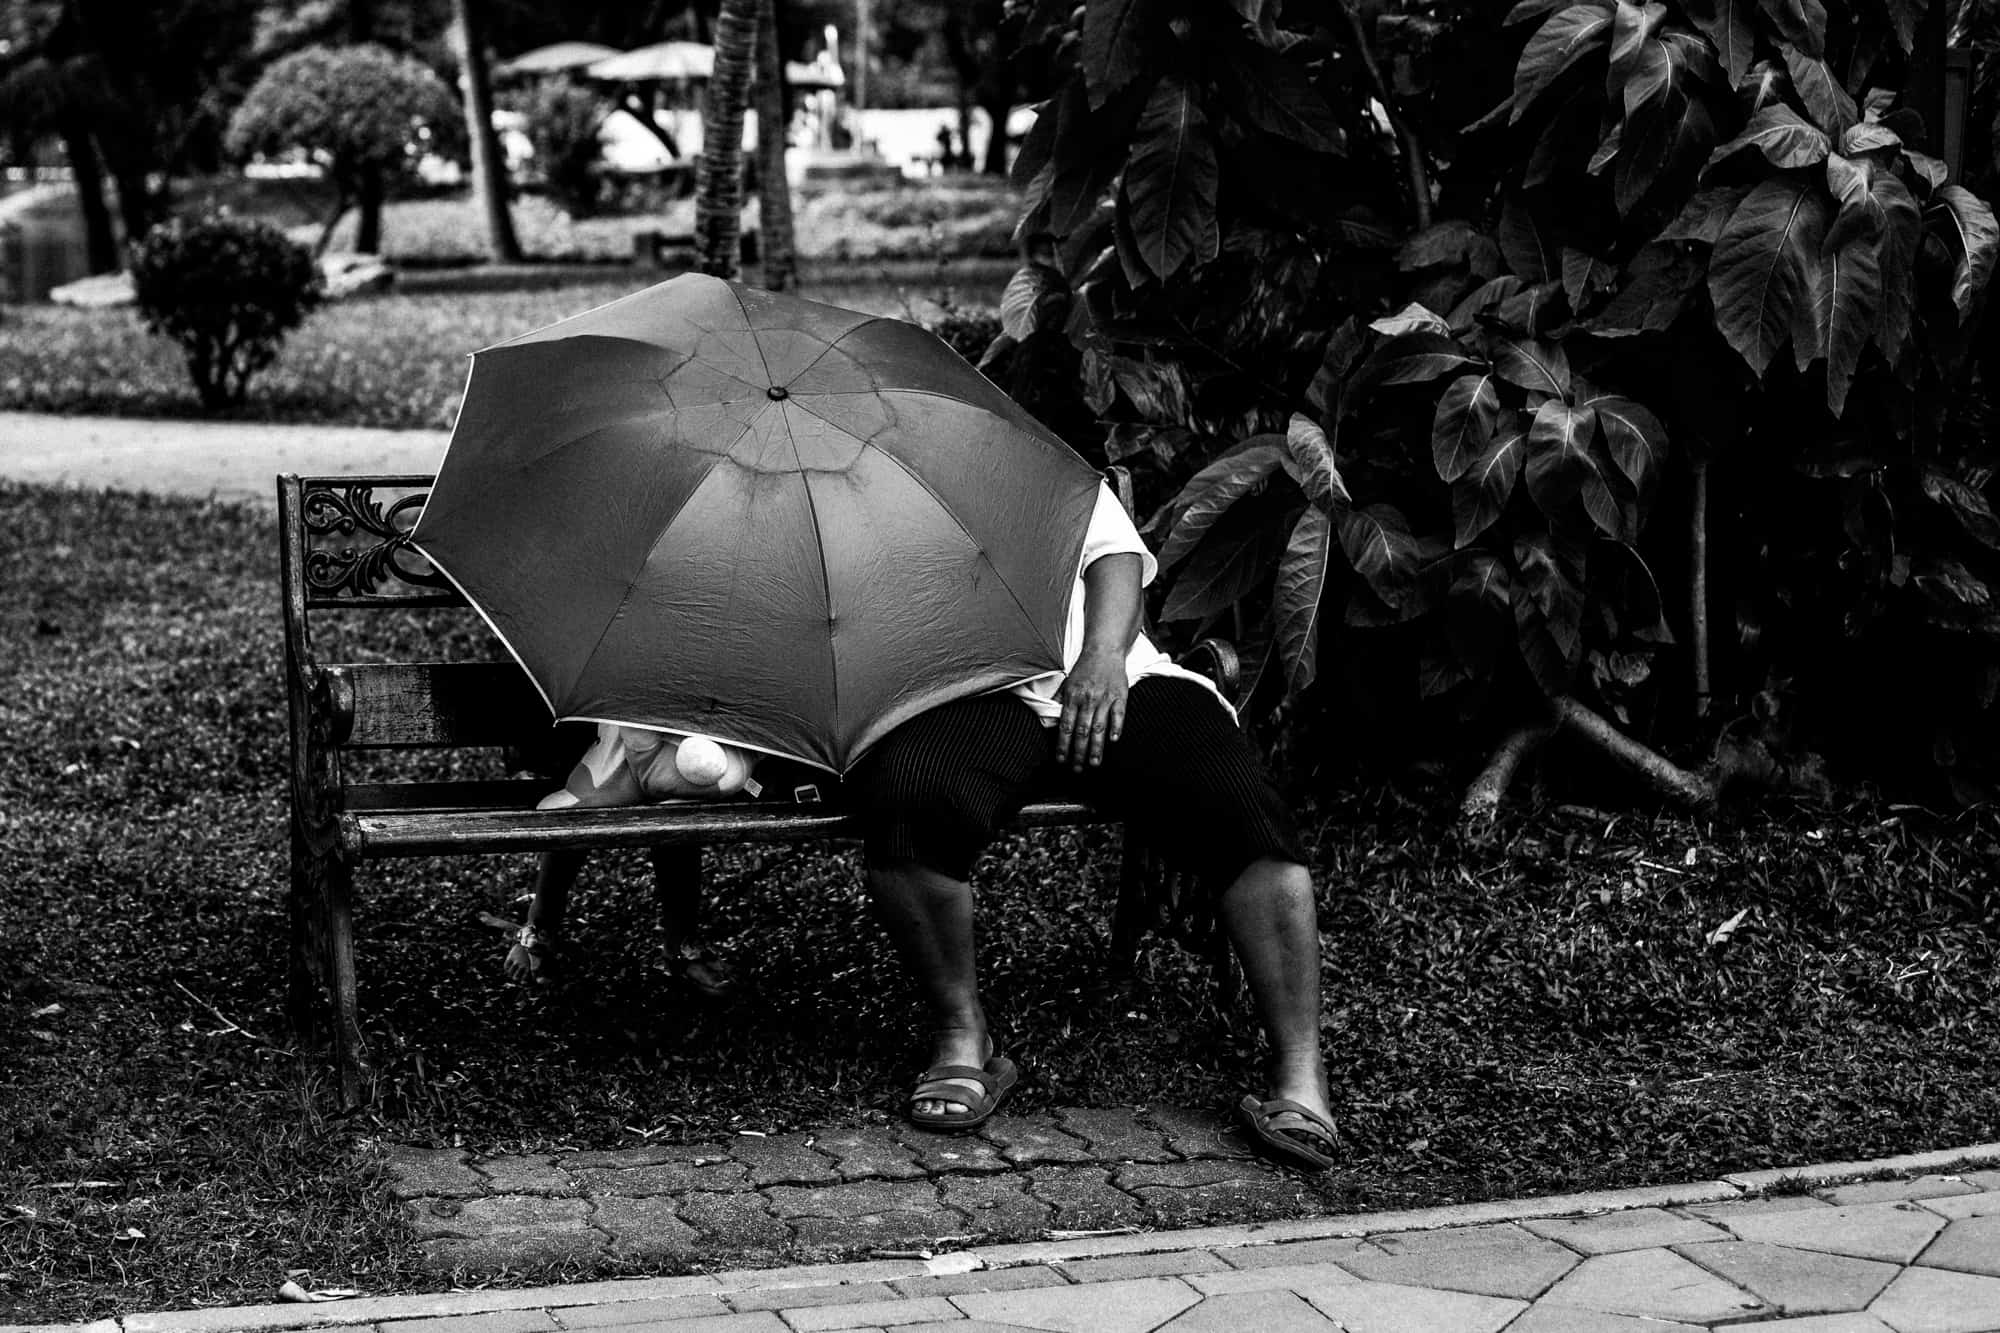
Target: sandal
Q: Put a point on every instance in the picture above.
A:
(995, 1081)
(1282, 1140)
(535, 956)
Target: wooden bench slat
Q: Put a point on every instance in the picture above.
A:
(417, 704)
(391, 833)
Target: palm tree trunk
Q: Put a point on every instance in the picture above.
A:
(368, 198)
(718, 201)
(489, 169)
(774, 189)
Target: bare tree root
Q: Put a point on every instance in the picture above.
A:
(1736, 765)
(1482, 798)
(1693, 791)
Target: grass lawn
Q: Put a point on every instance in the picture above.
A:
(1531, 1012)
(394, 360)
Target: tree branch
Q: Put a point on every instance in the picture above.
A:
(1482, 798)
(1690, 790)
(1411, 147)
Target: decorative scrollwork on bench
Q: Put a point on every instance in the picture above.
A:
(333, 512)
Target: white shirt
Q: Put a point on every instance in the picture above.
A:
(1111, 532)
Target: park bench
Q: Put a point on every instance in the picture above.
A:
(344, 548)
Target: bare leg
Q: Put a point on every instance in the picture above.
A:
(1269, 915)
(929, 917)
(531, 959)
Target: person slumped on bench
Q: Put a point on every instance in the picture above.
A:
(1144, 740)
(623, 766)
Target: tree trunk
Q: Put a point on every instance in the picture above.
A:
(100, 244)
(489, 168)
(1698, 587)
(136, 202)
(777, 246)
(718, 201)
(995, 161)
(368, 197)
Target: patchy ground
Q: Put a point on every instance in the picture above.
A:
(1552, 1007)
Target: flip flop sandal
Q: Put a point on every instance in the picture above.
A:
(995, 1082)
(1258, 1115)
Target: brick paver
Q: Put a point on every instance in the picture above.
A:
(1055, 1223)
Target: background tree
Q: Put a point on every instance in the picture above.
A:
(777, 251)
(362, 113)
(718, 206)
(489, 166)
(138, 93)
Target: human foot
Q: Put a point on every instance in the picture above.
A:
(1296, 1120)
(962, 1061)
(534, 959)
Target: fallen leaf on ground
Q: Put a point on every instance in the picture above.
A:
(1721, 934)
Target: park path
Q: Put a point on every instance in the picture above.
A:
(1079, 1221)
(221, 460)
(1914, 1251)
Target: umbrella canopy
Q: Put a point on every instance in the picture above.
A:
(666, 61)
(709, 509)
(555, 58)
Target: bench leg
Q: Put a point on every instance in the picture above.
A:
(322, 963)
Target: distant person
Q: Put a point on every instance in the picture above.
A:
(947, 156)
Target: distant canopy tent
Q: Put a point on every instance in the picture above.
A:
(665, 72)
(555, 58)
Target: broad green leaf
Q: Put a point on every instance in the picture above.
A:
(1584, 275)
(1211, 491)
(1904, 16)
(1819, 87)
(1868, 137)
(1847, 306)
(1481, 586)
(1170, 182)
(1031, 163)
(1479, 497)
(1650, 71)
(1851, 183)
(1667, 127)
(1314, 466)
(1113, 47)
(1532, 364)
(1902, 234)
(1802, 23)
(1559, 460)
(1965, 504)
(1531, 250)
(1413, 358)
(1548, 612)
(1654, 293)
(1558, 44)
(1277, 97)
(1635, 439)
(1631, 26)
(1295, 603)
(1463, 424)
(1932, 169)
(1531, 310)
(1782, 135)
(1232, 565)
(1968, 222)
(1412, 318)
(1765, 261)
(1378, 543)
(1728, 27)
(1446, 242)
(1482, 299)
(1704, 216)
(1531, 9)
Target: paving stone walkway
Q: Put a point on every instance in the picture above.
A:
(1917, 1251)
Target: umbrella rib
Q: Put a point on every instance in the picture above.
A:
(819, 544)
(755, 341)
(715, 461)
(946, 509)
(837, 340)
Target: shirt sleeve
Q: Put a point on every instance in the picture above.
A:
(1112, 532)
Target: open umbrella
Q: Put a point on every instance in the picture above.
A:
(706, 508)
